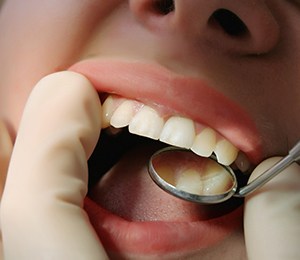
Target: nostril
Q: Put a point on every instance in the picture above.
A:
(164, 7)
(229, 22)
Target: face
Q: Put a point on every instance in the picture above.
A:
(230, 66)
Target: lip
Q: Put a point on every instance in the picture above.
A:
(159, 237)
(187, 96)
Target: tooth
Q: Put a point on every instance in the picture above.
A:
(217, 179)
(123, 114)
(178, 131)
(147, 123)
(107, 111)
(190, 181)
(212, 180)
(242, 162)
(205, 142)
(226, 153)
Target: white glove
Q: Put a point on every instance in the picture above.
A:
(272, 216)
(41, 208)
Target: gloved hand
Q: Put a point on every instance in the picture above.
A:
(41, 207)
(272, 216)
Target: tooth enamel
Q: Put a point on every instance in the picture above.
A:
(123, 114)
(226, 153)
(212, 180)
(205, 142)
(107, 111)
(147, 123)
(190, 181)
(178, 131)
(217, 180)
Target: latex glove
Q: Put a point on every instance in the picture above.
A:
(41, 211)
(272, 216)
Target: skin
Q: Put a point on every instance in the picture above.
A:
(258, 70)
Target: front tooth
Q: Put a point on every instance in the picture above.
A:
(147, 123)
(178, 131)
(205, 142)
(218, 180)
(226, 153)
(123, 114)
(107, 111)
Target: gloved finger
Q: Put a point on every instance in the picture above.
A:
(41, 211)
(6, 145)
(272, 215)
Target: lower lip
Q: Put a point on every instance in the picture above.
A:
(121, 236)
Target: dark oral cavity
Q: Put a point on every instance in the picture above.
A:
(123, 158)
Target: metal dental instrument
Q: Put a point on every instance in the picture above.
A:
(166, 182)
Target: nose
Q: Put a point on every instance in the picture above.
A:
(241, 26)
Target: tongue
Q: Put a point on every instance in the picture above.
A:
(128, 191)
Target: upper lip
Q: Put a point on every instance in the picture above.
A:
(187, 96)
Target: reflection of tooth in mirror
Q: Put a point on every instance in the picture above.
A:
(193, 174)
(190, 181)
(217, 179)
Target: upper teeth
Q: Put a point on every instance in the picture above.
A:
(178, 131)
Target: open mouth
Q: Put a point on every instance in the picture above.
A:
(126, 122)
(129, 212)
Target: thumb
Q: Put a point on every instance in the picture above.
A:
(41, 211)
(272, 215)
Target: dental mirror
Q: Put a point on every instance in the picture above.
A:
(188, 176)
